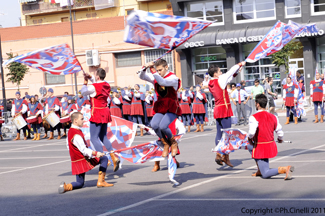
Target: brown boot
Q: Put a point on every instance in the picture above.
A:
(1, 138)
(141, 131)
(258, 173)
(177, 164)
(286, 170)
(219, 159)
(288, 119)
(202, 129)
(45, 136)
(174, 145)
(51, 136)
(28, 134)
(17, 137)
(197, 128)
(321, 118)
(65, 187)
(296, 120)
(35, 137)
(101, 180)
(316, 119)
(116, 161)
(38, 137)
(166, 147)
(64, 134)
(156, 167)
(188, 129)
(225, 159)
(25, 135)
(59, 135)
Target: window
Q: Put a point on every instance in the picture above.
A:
(252, 10)
(321, 54)
(128, 59)
(54, 79)
(129, 11)
(293, 8)
(212, 11)
(152, 55)
(317, 7)
(64, 19)
(203, 57)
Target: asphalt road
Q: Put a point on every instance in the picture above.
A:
(31, 171)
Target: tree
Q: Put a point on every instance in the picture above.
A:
(17, 71)
(282, 57)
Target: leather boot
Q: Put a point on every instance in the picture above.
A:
(65, 187)
(38, 137)
(316, 119)
(51, 136)
(225, 159)
(321, 118)
(101, 180)
(166, 147)
(286, 170)
(174, 145)
(141, 131)
(28, 134)
(45, 136)
(202, 129)
(156, 167)
(177, 164)
(25, 135)
(197, 128)
(288, 119)
(59, 135)
(17, 137)
(116, 161)
(296, 120)
(219, 159)
(35, 137)
(64, 134)
(188, 129)
(1, 138)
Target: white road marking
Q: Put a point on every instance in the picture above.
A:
(196, 185)
(49, 150)
(245, 199)
(33, 158)
(305, 161)
(34, 146)
(305, 131)
(277, 177)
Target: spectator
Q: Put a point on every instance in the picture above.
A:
(243, 84)
(205, 87)
(322, 76)
(239, 95)
(257, 89)
(270, 94)
(300, 77)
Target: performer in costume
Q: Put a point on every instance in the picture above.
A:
(36, 109)
(116, 105)
(149, 101)
(82, 102)
(68, 107)
(198, 108)
(100, 113)
(83, 159)
(317, 92)
(2, 119)
(184, 102)
(52, 103)
(166, 108)
(28, 131)
(222, 109)
(261, 137)
(136, 106)
(20, 107)
(64, 108)
(290, 94)
(126, 108)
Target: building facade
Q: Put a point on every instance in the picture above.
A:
(239, 26)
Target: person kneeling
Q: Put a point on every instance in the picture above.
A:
(83, 159)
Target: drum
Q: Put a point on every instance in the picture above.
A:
(65, 119)
(2, 121)
(52, 119)
(19, 121)
(32, 119)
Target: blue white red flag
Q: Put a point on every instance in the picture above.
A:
(279, 35)
(172, 167)
(56, 60)
(161, 31)
(232, 139)
(300, 110)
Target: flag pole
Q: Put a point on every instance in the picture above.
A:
(75, 75)
(3, 81)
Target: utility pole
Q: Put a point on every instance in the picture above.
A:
(75, 75)
(3, 80)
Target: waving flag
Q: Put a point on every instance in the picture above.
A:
(161, 31)
(231, 140)
(279, 35)
(300, 110)
(56, 60)
(172, 167)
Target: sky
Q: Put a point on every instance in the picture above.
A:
(9, 13)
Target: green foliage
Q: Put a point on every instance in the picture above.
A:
(17, 71)
(282, 57)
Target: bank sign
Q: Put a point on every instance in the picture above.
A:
(260, 37)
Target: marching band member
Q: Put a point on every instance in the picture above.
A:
(83, 159)
(20, 107)
(149, 106)
(116, 105)
(198, 108)
(52, 103)
(290, 94)
(184, 102)
(166, 107)
(36, 109)
(82, 102)
(64, 108)
(100, 113)
(317, 92)
(222, 109)
(136, 106)
(28, 131)
(126, 108)
(262, 126)
(72, 107)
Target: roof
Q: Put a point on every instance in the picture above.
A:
(62, 29)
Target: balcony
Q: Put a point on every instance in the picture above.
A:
(39, 7)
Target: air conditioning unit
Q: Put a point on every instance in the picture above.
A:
(92, 58)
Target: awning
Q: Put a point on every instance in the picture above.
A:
(25, 1)
(200, 40)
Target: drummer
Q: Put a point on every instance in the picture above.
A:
(82, 102)
(64, 108)
(20, 107)
(52, 103)
(116, 104)
(35, 109)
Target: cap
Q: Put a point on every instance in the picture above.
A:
(51, 90)
(27, 96)
(18, 92)
(238, 85)
(79, 92)
(32, 97)
(115, 90)
(65, 95)
(69, 98)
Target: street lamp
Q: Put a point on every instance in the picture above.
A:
(75, 75)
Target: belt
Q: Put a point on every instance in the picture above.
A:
(241, 101)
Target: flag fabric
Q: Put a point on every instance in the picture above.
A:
(56, 60)
(300, 110)
(172, 167)
(160, 30)
(279, 35)
(232, 139)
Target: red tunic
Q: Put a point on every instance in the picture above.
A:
(79, 163)
(136, 105)
(100, 112)
(266, 146)
(222, 107)
(116, 109)
(167, 100)
(33, 109)
(317, 90)
(149, 109)
(290, 94)
(185, 105)
(198, 105)
(126, 107)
